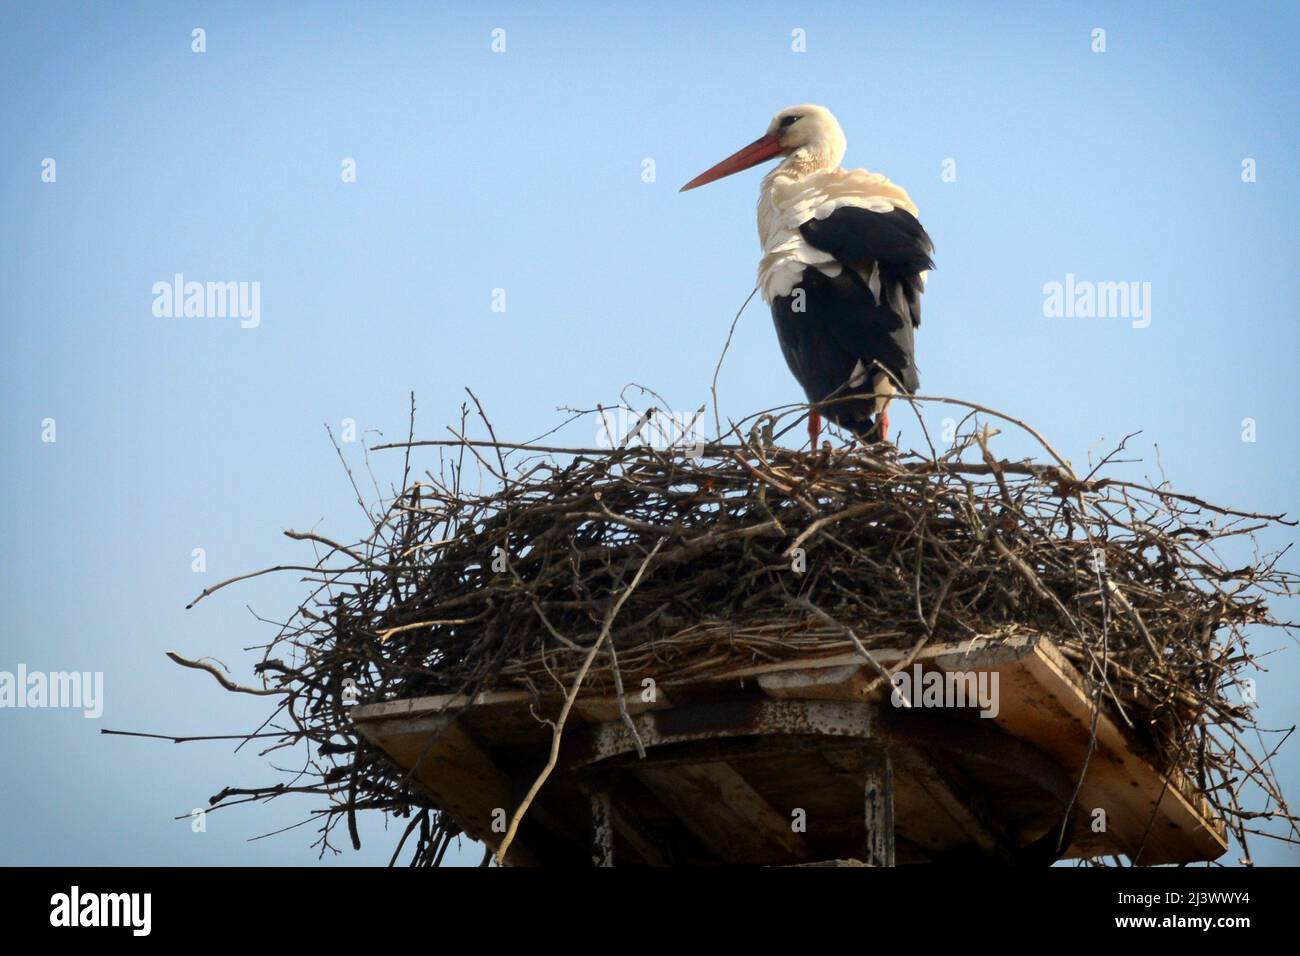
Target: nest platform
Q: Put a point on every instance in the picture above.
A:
(732, 759)
(645, 656)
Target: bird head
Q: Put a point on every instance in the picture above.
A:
(808, 133)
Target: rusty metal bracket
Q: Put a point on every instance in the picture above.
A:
(743, 718)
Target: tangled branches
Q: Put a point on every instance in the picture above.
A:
(762, 553)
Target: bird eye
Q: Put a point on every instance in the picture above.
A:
(787, 121)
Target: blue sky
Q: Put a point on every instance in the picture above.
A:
(522, 171)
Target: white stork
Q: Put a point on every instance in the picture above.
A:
(844, 264)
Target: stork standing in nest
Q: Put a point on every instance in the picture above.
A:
(844, 265)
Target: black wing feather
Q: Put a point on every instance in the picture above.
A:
(854, 234)
(857, 237)
(842, 321)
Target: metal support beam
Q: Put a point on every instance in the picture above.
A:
(729, 719)
(602, 827)
(878, 792)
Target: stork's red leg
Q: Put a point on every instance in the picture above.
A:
(814, 428)
(883, 419)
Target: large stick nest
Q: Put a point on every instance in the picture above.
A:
(765, 553)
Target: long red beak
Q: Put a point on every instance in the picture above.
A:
(765, 147)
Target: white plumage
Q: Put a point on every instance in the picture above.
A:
(810, 184)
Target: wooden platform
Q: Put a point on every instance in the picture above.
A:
(791, 763)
